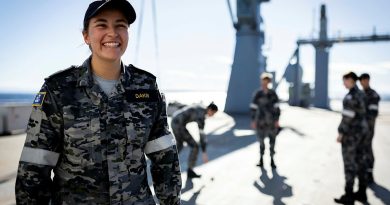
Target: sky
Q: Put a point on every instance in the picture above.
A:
(195, 41)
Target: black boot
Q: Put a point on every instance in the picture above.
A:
(346, 199)
(260, 164)
(273, 165)
(192, 174)
(370, 178)
(361, 194)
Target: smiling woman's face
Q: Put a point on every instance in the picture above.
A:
(107, 35)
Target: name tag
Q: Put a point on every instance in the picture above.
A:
(142, 95)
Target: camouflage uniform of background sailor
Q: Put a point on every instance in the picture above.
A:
(353, 129)
(179, 121)
(372, 107)
(265, 113)
(96, 145)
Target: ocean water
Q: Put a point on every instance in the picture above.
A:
(16, 98)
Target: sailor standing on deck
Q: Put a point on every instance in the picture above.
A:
(265, 114)
(353, 131)
(372, 108)
(93, 124)
(180, 119)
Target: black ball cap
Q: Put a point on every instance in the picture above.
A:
(97, 6)
(364, 76)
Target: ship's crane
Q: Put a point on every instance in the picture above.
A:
(322, 47)
(249, 62)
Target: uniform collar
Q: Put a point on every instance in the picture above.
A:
(85, 79)
(367, 89)
(86, 76)
(354, 89)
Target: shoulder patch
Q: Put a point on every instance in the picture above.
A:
(38, 100)
(140, 71)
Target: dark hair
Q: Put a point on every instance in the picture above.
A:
(350, 75)
(213, 107)
(364, 76)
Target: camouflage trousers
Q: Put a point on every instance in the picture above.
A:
(355, 160)
(261, 135)
(182, 135)
(368, 145)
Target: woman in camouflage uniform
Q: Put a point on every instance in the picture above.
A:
(353, 130)
(93, 124)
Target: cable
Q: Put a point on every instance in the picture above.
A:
(156, 40)
(231, 13)
(138, 42)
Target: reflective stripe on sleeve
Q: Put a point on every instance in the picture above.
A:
(160, 144)
(349, 113)
(253, 106)
(373, 107)
(276, 105)
(39, 156)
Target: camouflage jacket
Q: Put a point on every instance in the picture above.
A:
(372, 103)
(265, 109)
(96, 145)
(354, 113)
(194, 113)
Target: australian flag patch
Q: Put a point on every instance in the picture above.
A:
(39, 99)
